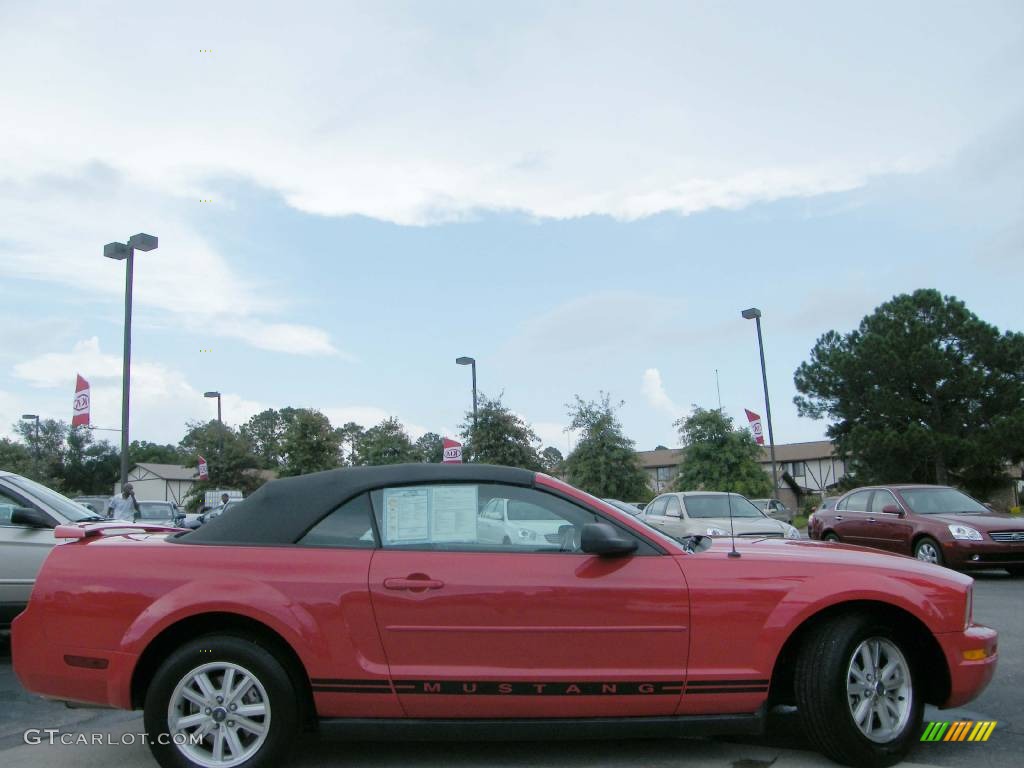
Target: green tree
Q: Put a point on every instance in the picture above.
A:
(430, 448)
(142, 452)
(551, 460)
(309, 443)
(265, 433)
(604, 461)
(386, 443)
(46, 450)
(349, 436)
(501, 437)
(89, 467)
(718, 457)
(15, 457)
(922, 391)
(228, 454)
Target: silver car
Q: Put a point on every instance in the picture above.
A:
(713, 513)
(774, 508)
(28, 513)
(159, 513)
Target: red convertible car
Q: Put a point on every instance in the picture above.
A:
(383, 603)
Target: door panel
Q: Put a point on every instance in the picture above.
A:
(889, 531)
(852, 522)
(532, 634)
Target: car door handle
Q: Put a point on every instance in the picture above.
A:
(872, 520)
(839, 517)
(413, 583)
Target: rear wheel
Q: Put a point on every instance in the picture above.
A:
(856, 693)
(928, 550)
(830, 537)
(218, 702)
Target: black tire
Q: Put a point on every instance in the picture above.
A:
(928, 542)
(1015, 570)
(830, 536)
(243, 652)
(820, 684)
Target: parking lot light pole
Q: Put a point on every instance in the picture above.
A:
(220, 424)
(30, 417)
(126, 252)
(755, 314)
(471, 362)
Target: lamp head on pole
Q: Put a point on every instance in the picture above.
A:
(751, 314)
(211, 394)
(465, 360)
(117, 251)
(30, 416)
(143, 242)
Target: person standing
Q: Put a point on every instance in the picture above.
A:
(124, 507)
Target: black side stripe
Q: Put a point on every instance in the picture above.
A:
(550, 688)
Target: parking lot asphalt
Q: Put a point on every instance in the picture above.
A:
(998, 602)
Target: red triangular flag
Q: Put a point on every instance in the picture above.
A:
(80, 414)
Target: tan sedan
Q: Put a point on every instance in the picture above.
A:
(707, 513)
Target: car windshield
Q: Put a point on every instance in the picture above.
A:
(941, 501)
(701, 506)
(760, 503)
(71, 510)
(155, 510)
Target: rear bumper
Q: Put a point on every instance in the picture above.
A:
(965, 555)
(968, 677)
(53, 669)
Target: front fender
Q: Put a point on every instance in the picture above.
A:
(939, 607)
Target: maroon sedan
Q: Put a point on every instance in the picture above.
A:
(933, 523)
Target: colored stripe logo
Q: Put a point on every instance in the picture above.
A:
(961, 730)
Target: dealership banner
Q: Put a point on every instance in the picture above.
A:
(80, 412)
(204, 469)
(755, 426)
(452, 451)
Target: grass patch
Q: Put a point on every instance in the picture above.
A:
(799, 521)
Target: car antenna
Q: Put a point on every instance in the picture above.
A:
(732, 528)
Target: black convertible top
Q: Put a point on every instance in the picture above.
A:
(283, 510)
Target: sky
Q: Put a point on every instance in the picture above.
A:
(580, 195)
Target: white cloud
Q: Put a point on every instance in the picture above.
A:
(185, 279)
(654, 392)
(419, 114)
(162, 399)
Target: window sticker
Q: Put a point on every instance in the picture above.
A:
(427, 514)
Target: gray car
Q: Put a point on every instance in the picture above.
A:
(774, 508)
(713, 513)
(160, 513)
(28, 513)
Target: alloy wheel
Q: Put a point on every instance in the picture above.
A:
(219, 715)
(927, 552)
(879, 689)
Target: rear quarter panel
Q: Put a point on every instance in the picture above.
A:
(117, 594)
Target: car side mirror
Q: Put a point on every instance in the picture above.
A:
(892, 509)
(603, 539)
(30, 517)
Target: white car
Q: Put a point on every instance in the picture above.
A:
(518, 523)
(28, 514)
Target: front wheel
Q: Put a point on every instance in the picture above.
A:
(928, 550)
(218, 702)
(856, 692)
(830, 537)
